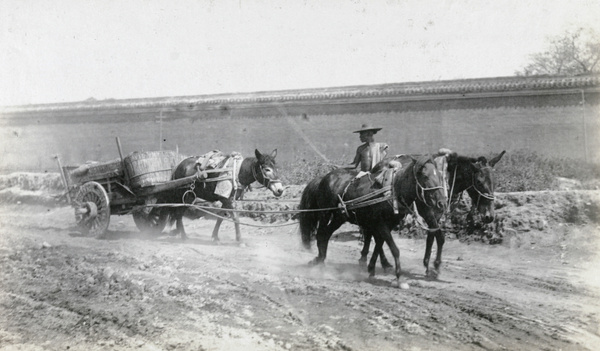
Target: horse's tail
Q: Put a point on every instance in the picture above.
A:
(309, 220)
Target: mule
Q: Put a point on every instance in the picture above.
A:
(418, 182)
(262, 169)
(474, 175)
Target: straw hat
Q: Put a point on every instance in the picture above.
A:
(367, 127)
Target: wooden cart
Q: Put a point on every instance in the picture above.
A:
(98, 190)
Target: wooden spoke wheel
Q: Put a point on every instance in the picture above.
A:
(92, 209)
(152, 222)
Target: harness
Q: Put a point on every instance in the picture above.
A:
(480, 194)
(267, 181)
(388, 192)
(201, 176)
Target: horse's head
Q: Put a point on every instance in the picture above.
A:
(430, 187)
(482, 187)
(265, 172)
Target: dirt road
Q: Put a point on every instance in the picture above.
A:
(60, 291)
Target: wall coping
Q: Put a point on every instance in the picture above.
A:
(431, 90)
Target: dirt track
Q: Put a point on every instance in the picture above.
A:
(58, 290)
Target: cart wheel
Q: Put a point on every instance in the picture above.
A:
(92, 209)
(152, 223)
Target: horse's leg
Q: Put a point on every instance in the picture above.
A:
(365, 250)
(324, 233)
(440, 239)
(179, 220)
(385, 264)
(376, 252)
(471, 220)
(362, 261)
(387, 235)
(428, 246)
(215, 233)
(236, 220)
(433, 221)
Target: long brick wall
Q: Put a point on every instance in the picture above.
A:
(416, 118)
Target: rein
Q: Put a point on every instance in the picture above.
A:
(481, 194)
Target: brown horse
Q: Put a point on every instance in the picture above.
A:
(472, 174)
(418, 182)
(262, 169)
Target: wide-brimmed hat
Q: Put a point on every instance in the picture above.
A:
(367, 127)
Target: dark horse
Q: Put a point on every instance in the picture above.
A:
(261, 168)
(418, 182)
(474, 175)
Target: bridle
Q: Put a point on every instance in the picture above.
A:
(421, 189)
(480, 194)
(267, 181)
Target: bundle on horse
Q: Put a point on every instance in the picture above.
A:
(418, 182)
(262, 169)
(472, 174)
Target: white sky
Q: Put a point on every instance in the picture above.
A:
(71, 50)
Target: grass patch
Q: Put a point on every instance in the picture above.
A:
(528, 171)
(302, 170)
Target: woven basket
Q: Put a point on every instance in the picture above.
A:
(151, 167)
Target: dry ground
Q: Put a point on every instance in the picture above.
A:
(538, 290)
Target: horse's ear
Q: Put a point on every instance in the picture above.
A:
(257, 154)
(482, 161)
(497, 158)
(274, 153)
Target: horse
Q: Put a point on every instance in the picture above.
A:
(262, 168)
(476, 176)
(418, 182)
(472, 174)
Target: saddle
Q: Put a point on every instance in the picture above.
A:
(226, 182)
(209, 160)
(386, 175)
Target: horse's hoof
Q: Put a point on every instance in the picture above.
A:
(398, 284)
(315, 262)
(362, 262)
(242, 245)
(387, 267)
(432, 273)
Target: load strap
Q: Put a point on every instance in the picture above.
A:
(367, 199)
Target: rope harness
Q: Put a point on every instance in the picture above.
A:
(389, 196)
(201, 176)
(480, 194)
